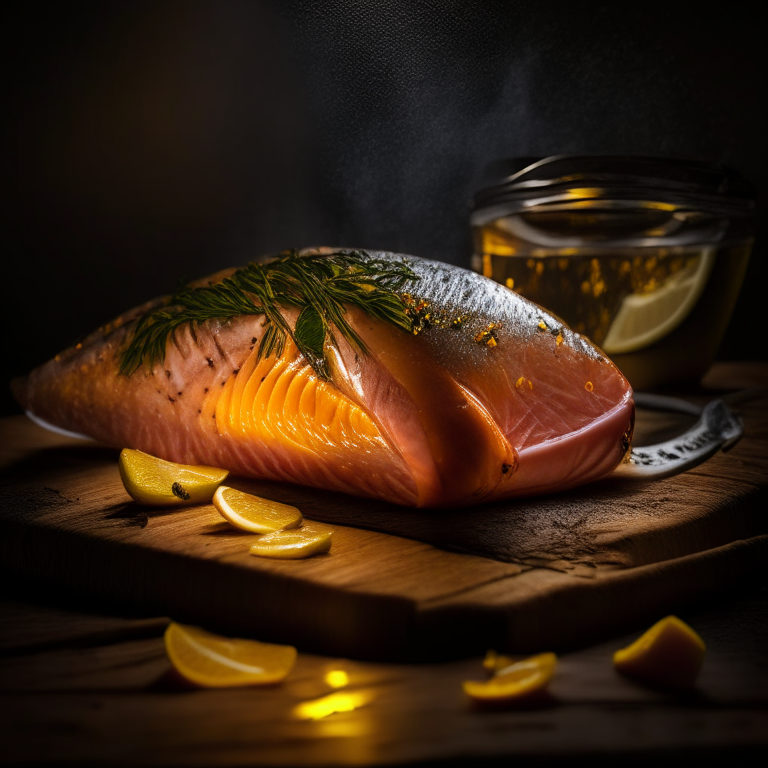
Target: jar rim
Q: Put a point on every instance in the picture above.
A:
(520, 182)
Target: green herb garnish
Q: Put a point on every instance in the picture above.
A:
(319, 285)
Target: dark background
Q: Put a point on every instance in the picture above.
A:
(150, 142)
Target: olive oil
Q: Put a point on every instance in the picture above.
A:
(658, 311)
(587, 289)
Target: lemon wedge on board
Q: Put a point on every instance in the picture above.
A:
(310, 539)
(518, 682)
(669, 655)
(254, 514)
(157, 482)
(213, 661)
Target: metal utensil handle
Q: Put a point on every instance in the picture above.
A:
(718, 428)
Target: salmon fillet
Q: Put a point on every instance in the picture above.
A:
(501, 399)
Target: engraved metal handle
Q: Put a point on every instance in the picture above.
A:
(718, 428)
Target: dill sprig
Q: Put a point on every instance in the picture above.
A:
(318, 285)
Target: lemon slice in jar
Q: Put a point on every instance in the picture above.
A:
(644, 318)
(254, 514)
(213, 661)
(160, 483)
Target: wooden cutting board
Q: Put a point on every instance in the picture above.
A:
(525, 575)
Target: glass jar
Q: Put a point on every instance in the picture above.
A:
(645, 256)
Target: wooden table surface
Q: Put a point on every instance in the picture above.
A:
(82, 682)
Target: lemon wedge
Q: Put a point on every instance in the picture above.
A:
(157, 482)
(669, 655)
(254, 514)
(213, 661)
(312, 539)
(518, 682)
(644, 318)
(493, 662)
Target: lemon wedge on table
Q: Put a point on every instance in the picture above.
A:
(494, 662)
(254, 514)
(520, 681)
(213, 661)
(310, 539)
(156, 482)
(668, 655)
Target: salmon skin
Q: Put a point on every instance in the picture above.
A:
(486, 397)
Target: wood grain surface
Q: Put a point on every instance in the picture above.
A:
(85, 687)
(550, 572)
(84, 680)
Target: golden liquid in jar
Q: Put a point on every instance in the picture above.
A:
(587, 287)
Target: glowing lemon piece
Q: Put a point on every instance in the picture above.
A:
(254, 514)
(669, 654)
(156, 482)
(306, 541)
(643, 319)
(517, 682)
(493, 662)
(212, 661)
(337, 678)
(316, 709)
